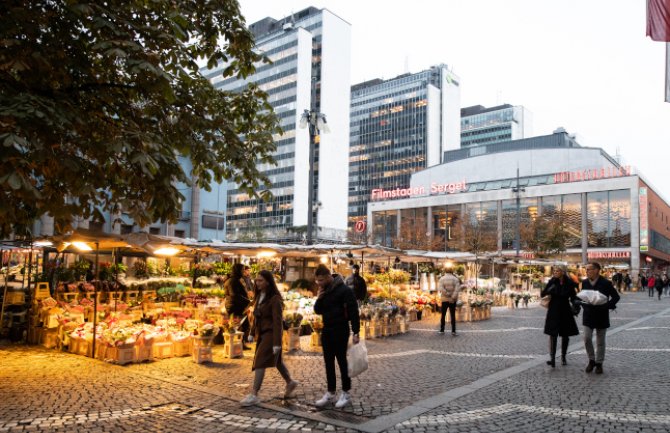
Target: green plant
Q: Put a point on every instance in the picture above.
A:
(222, 268)
(79, 269)
(140, 269)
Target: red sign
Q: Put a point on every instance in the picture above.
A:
(592, 174)
(644, 220)
(608, 255)
(360, 226)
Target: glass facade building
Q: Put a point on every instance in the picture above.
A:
(399, 126)
(481, 125)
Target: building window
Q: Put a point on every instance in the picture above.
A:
(213, 222)
(154, 230)
(179, 233)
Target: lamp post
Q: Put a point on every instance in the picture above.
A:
(317, 124)
(518, 190)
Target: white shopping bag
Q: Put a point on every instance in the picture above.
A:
(357, 359)
(592, 297)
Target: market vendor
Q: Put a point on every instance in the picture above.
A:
(237, 298)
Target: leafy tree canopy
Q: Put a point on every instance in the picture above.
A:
(99, 101)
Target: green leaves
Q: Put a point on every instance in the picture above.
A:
(99, 100)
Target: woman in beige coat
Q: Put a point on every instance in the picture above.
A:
(267, 329)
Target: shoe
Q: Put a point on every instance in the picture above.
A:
(589, 367)
(246, 348)
(552, 363)
(290, 388)
(250, 400)
(441, 331)
(327, 398)
(344, 400)
(599, 369)
(454, 334)
(564, 361)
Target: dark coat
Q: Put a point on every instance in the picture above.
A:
(358, 285)
(267, 330)
(598, 316)
(560, 319)
(237, 298)
(338, 307)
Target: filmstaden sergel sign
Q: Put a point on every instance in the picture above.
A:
(592, 174)
(435, 189)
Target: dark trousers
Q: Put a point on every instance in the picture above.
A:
(335, 347)
(651, 291)
(452, 315)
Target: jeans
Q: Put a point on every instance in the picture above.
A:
(452, 315)
(335, 347)
(599, 355)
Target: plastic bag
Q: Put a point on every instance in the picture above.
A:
(544, 302)
(592, 297)
(357, 359)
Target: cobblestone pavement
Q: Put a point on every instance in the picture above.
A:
(490, 378)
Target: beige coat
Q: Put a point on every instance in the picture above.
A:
(267, 331)
(448, 287)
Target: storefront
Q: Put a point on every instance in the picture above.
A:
(606, 212)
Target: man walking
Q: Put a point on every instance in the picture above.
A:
(597, 317)
(357, 284)
(448, 287)
(337, 304)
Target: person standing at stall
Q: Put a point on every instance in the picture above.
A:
(448, 286)
(237, 298)
(560, 318)
(337, 305)
(597, 317)
(357, 284)
(267, 330)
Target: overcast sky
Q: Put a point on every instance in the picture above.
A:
(585, 65)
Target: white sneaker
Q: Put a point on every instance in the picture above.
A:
(344, 400)
(328, 397)
(250, 400)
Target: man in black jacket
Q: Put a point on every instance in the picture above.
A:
(597, 316)
(357, 284)
(337, 305)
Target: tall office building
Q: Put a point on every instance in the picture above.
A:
(399, 126)
(310, 69)
(481, 125)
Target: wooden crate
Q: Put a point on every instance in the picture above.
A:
(202, 354)
(182, 347)
(233, 347)
(163, 350)
(291, 339)
(42, 291)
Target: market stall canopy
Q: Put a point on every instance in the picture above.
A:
(158, 245)
(431, 256)
(88, 240)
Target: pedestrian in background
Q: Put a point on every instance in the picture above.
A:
(560, 318)
(267, 330)
(651, 283)
(597, 317)
(337, 305)
(448, 286)
(658, 285)
(357, 284)
(237, 298)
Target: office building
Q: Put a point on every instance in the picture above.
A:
(481, 125)
(399, 126)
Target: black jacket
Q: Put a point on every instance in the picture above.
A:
(338, 307)
(358, 285)
(560, 319)
(598, 316)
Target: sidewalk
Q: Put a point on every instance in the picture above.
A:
(492, 377)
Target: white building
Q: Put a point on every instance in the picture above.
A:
(481, 125)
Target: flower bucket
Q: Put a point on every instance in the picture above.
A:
(202, 354)
(233, 347)
(291, 339)
(365, 329)
(315, 340)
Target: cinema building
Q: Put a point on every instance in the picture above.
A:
(608, 212)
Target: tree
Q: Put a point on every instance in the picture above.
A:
(414, 236)
(99, 100)
(475, 237)
(544, 236)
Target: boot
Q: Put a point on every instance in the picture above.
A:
(589, 367)
(552, 351)
(564, 350)
(599, 369)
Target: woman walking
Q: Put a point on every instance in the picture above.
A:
(560, 318)
(267, 329)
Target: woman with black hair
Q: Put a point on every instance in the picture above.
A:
(237, 298)
(267, 330)
(560, 316)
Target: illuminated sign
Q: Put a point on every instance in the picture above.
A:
(644, 220)
(360, 226)
(435, 189)
(608, 255)
(592, 174)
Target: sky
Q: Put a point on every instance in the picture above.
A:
(584, 65)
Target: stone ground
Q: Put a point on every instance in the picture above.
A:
(492, 377)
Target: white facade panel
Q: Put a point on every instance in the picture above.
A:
(335, 104)
(303, 97)
(451, 112)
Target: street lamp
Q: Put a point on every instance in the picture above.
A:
(317, 124)
(518, 190)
